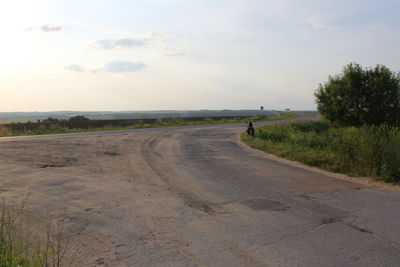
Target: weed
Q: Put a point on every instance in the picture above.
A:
(367, 151)
(20, 247)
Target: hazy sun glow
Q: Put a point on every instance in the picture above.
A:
(19, 49)
(168, 54)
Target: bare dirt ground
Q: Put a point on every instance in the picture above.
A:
(193, 196)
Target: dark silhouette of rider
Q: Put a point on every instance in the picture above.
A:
(250, 129)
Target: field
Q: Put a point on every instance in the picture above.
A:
(8, 117)
(53, 126)
(365, 151)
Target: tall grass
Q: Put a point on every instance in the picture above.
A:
(362, 151)
(21, 247)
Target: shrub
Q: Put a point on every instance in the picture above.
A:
(78, 118)
(358, 96)
(3, 131)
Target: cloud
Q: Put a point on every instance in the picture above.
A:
(74, 67)
(171, 52)
(128, 42)
(119, 66)
(45, 28)
(153, 40)
(119, 43)
(157, 42)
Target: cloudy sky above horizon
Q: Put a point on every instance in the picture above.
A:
(177, 54)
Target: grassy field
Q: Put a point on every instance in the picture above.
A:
(56, 128)
(366, 151)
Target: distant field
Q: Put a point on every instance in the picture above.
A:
(12, 121)
(8, 117)
(66, 126)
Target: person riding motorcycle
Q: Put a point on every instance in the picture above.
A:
(250, 129)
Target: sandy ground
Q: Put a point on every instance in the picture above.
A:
(193, 196)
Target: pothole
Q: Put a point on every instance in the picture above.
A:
(57, 162)
(308, 197)
(111, 153)
(328, 220)
(264, 204)
(52, 165)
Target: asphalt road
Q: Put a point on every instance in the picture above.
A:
(195, 196)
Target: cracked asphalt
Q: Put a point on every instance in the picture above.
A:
(196, 196)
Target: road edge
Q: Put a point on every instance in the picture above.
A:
(368, 182)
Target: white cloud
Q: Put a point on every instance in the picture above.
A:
(118, 43)
(45, 28)
(153, 40)
(120, 66)
(74, 67)
(171, 52)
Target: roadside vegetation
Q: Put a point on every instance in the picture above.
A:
(360, 134)
(22, 246)
(82, 124)
(360, 151)
(361, 96)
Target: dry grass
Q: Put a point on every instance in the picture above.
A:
(22, 245)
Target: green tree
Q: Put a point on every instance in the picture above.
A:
(49, 120)
(78, 118)
(361, 96)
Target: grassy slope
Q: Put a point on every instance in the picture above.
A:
(161, 123)
(366, 151)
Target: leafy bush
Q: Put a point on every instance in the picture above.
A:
(78, 118)
(358, 96)
(3, 131)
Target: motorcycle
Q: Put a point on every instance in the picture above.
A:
(250, 129)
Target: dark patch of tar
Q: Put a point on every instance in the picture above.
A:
(264, 204)
(328, 220)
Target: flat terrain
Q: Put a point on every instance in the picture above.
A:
(194, 196)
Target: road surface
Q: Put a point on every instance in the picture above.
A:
(195, 196)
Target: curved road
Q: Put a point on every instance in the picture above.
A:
(194, 196)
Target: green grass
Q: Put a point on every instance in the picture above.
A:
(364, 151)
(55, 129)
(19, 247)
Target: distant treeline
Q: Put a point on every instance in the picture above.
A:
(109, 115)
(81, 122)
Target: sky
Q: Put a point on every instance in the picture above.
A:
(180, 54)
